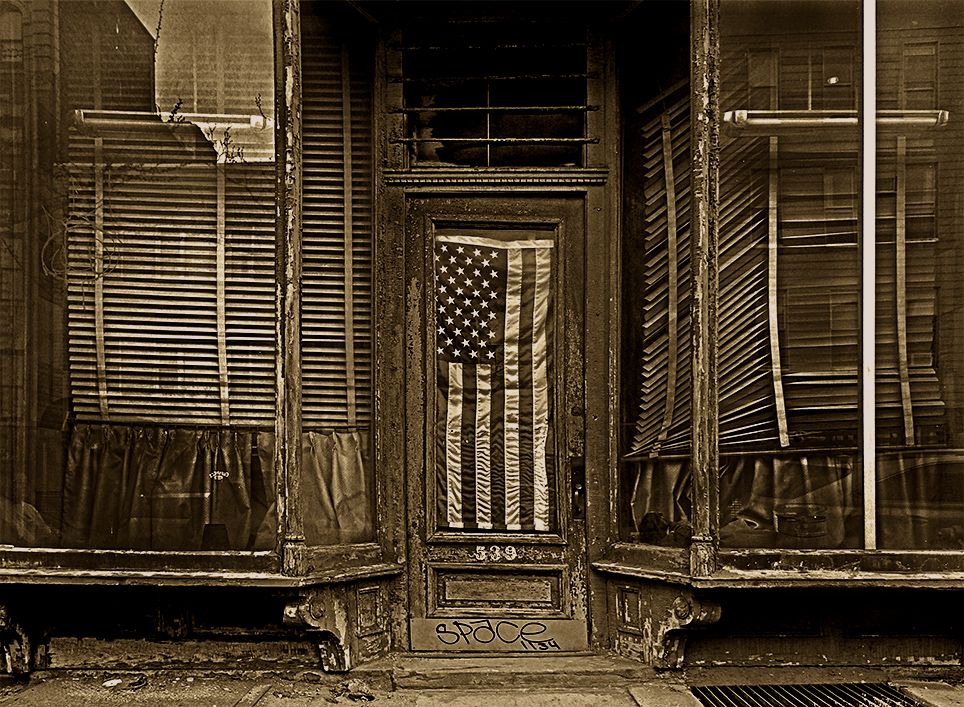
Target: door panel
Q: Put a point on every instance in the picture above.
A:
(495, 291)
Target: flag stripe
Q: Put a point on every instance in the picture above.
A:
(497, 457)
(441, 443)
(483, 442)
(467, 436)
(526, 417)
(453, 446)
(540, 388)
(494, 468)
(513, 301)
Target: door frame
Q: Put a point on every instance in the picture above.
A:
(431, 550)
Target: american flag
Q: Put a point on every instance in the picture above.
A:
(493, 411)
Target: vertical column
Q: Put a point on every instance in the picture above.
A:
(704, 112)
(288, 294)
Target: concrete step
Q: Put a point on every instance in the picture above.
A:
(415, 672)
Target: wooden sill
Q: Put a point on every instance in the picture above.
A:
(322, 565)
(41, 558)
(192, 578)
(801, 568)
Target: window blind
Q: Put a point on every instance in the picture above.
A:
(170, 272)
(336, 316)
(789, 279)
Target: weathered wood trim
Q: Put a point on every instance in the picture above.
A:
(288, 377)
(394, 150)
(319, 558)
(653, 619)
(704, 111)
(390, 377)
(388, 333)
(419, 514)
(828, 579)
(641, 571)
(596, 153)
(443, 536)
(801, 561)
(210, 578)
(108, 560)
(600, 324)
(422, 214)
(788, 578)
(604, 522)
(673, 560)
(439, 178)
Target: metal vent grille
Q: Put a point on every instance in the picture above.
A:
(836, 695)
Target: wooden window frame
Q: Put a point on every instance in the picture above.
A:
(291, 563)
(705, 564)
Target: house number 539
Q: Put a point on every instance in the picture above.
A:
(494, 553)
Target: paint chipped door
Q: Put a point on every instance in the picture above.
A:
(494, 422)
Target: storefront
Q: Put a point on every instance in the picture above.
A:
(467, 328)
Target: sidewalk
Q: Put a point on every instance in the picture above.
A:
(174, 690)
(167, 690)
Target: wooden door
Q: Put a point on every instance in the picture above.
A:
(496, 499)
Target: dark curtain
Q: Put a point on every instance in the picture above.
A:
(336, 487)
(757, 492)
(811, 500)
(149, 488)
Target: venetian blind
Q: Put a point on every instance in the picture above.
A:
(170, 271)
(336, 315)
(789, 279)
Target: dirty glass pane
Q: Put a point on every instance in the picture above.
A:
(496, 94)
(337, 482)
(654, 486)
(920, 268)
(789, 276)
(137, 276)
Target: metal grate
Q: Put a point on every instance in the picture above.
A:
(835, 695)
(496, 93)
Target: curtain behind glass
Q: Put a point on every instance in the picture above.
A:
(169, 489)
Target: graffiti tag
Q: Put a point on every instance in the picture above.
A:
(522, 635)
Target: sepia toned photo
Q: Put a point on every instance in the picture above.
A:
(482, 352)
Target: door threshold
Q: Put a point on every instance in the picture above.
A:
(421, 671)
